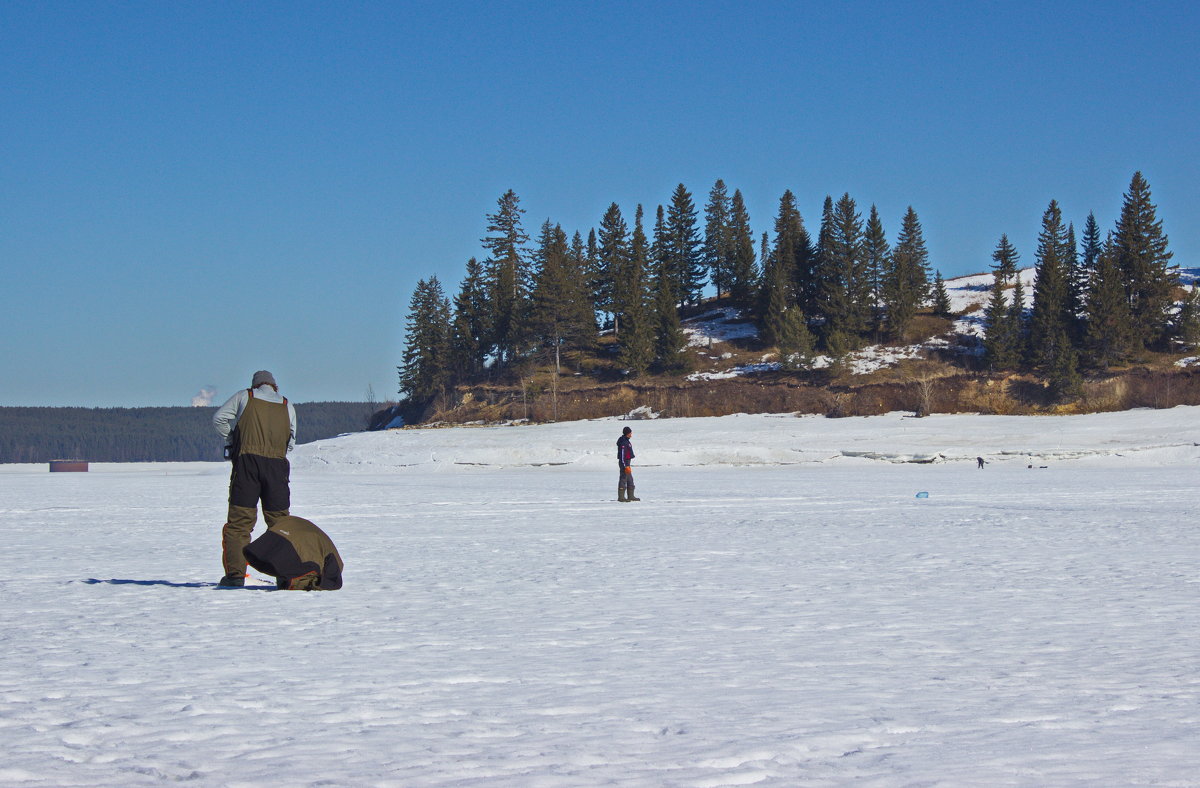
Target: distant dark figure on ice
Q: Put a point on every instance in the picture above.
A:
(299, 555)
(625, 457)
(980, 462)
(259, 428)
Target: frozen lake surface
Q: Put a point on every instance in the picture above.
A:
(779, 610)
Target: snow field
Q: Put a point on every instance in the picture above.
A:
(803, 624)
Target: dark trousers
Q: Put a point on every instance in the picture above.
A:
(252, 480)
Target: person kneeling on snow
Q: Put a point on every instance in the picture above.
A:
(298, 554)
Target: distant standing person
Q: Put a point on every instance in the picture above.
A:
(259, 428)
(624, 464)
(979, 460)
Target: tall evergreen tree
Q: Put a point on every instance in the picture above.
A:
(778, 289)
(742, 273)
(1051, 304)
(425, 371)
(844, 290)
(471, 329)
(637, 339)
(669, 339)
(613, 258)
(718, 249)
(875, 254)
(1018, 320)
(1109, 331)
(999, 344)
(508, 275)
(1141, 248)
(1089, 252)
(683, 247)
(599, 279)
(561, 314)
(907, 284)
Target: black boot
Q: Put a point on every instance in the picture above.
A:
(633, 497)
(232, 581)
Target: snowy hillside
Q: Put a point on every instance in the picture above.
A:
(781, 609)
(968, 297)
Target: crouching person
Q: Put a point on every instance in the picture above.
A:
(298, 554)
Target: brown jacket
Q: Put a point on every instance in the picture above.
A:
(298, 554)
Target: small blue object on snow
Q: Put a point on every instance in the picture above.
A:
(922, 494)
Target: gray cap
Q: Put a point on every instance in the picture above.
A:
(261, 377)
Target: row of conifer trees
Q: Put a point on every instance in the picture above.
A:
(1096, 304)
(534, 302)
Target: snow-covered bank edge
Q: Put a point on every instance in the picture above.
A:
(1157, 436)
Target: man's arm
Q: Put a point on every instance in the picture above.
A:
(292, 420)
(225, 419)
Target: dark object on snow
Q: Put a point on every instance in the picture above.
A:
(232, 581)
(980, 461)
(298, 554)
(68, 466)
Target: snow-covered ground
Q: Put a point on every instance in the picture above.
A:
(780, 609)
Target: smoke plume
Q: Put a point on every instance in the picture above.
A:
(205, 397)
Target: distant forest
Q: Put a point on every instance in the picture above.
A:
(148, 434)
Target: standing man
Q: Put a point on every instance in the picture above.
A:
(259, 428)
(624, 458)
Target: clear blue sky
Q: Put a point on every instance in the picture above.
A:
(190, 191)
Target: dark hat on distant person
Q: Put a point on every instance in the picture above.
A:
(261, 377)
(626, 431)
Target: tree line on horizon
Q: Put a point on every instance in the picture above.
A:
(1096, 304)
(532, 303)
(162, 434)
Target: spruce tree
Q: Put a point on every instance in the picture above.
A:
(875, 254)
(637, 338)
(1018, 323)
(743, 273)
(906, 286)
(1062, 371)
(508, 275)
(851, 265)
(425, 371)
(561, 312)
(1141, 248)
(796, 343)
(718, 238)
(669, 339)
(1089, 252)
(613, 258)
(1006, 260)
(941, 299)
(1051, 305)
(1108, 328)
(1001, 342)
(599, 279)
(999, 347)
(683, 247)
(471, 331)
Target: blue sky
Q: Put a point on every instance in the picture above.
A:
(193, 191)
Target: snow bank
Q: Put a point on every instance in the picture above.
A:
(745, 439)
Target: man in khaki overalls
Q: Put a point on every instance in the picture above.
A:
(259, 428)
